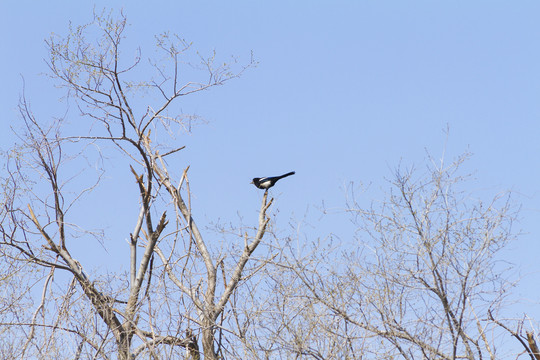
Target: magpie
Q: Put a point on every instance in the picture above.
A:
(268, 182)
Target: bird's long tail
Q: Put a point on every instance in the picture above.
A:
(287, 174)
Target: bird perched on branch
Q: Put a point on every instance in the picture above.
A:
(268, 182)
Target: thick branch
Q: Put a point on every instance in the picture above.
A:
(248, 250)
(135, 289)
(100, 302)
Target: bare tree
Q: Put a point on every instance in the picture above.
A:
(418, 282)
(159, 307)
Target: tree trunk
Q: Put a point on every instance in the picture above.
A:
(207, 341)
(124, 343)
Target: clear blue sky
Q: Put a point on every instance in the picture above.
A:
(344, 90)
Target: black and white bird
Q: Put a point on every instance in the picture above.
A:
(268, 182)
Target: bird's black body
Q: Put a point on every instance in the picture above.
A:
(268, 182)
